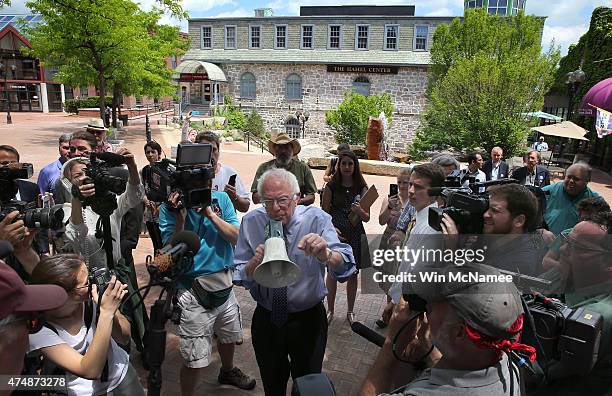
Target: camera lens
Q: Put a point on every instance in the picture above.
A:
(44, 218)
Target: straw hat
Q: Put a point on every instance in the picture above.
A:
(96, 124)
(283, 138)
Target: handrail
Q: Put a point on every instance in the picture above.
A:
(249, 136)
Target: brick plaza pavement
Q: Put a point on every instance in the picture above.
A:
(347, 357)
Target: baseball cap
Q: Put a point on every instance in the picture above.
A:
(476, 293)
(16, 296)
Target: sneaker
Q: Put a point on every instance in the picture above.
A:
(237, 378)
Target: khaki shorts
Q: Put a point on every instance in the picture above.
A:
(198, 326)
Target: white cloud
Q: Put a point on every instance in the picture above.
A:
(562, 36)
(441, 12)
(239, 12)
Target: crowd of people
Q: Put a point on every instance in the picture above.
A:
(555, 231)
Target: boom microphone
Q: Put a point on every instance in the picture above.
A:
(182, 243)
(368, 333)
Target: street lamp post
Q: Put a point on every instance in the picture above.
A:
(574, 79)
(302, 117)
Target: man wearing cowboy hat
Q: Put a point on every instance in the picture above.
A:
(284, 149)
(96, 127)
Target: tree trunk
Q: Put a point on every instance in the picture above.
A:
(116, 97)
(102, 88)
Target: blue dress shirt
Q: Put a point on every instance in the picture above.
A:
(310, 289)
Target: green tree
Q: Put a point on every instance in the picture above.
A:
(350, 120)
(254, 125)
(486, 71)
(100, 42)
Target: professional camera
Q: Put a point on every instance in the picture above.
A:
(465, 206)
(100, 277)
(32, 216)
(568, 336)
(107, 186)
(189, 175)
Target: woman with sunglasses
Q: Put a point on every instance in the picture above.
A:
(340, 199)
(90, 354)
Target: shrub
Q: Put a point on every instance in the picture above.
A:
(73, 105)
(254, 124)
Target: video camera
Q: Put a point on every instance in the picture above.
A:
(565, 335)
(104, 201)
(463, 204)
(32, 217)
(190, 175)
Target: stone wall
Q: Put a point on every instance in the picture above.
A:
(323, 91)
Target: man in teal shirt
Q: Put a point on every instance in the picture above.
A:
(561, 212)
(213, 311)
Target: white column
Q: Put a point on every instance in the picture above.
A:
(43, 97)
(63, 94)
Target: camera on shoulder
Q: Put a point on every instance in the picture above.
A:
(190, 175)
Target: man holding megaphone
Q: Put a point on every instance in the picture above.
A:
(284, 269)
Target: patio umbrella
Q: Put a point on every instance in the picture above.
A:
(599, 95)
(566, 129)
(541, 114)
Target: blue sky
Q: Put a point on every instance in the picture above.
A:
(567, 19)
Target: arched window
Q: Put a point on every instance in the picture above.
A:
(247, 86)
(361, 85)
(294, 87)
(292, 127)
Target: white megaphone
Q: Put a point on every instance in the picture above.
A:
(276, 270)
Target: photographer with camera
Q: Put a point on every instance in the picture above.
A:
(81, 144)
(226, 178)
(585, 269)
(206, 307)
(83, 224)
(474, 326)
(507, 224)
(82, 338)
(26, 192)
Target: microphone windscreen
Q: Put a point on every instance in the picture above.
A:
(5, 248)
(189, 238)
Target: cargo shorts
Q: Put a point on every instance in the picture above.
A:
(198, 325)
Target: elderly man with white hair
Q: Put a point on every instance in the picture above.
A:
(289, 325)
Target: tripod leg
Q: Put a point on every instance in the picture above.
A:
(156, 346)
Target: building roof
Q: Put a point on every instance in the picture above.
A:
(357, 10)
(16, 20)
(295, 56)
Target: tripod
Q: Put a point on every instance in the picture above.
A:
(161, 311)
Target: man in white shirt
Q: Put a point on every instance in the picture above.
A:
(475, 162)
(418, 236)
(495, 168)
(540, 145)
(223, 174)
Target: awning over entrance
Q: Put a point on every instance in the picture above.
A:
(189, 68)
(566, 129)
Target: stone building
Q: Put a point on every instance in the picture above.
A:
(284, 66)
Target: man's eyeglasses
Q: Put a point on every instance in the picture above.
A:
(282, 202)
(33, 321)
(574, 244)
(65, 147)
